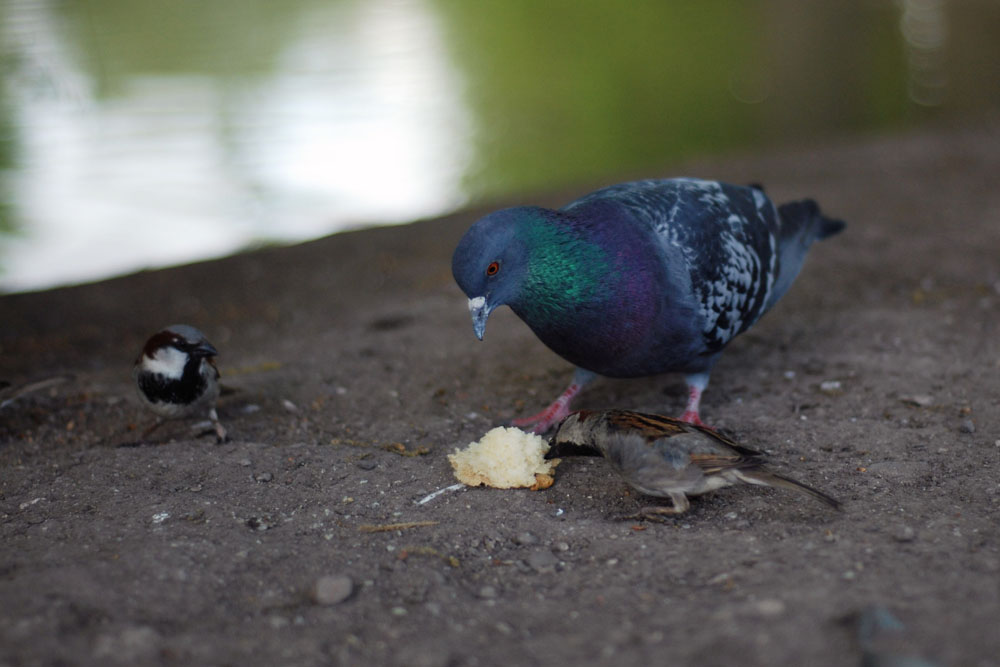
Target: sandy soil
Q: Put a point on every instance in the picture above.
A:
(356, 372)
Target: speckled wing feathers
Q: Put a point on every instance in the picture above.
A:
(727, 236)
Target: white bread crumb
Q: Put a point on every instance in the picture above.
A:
(505, 458)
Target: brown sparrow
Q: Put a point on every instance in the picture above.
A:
(667, 458)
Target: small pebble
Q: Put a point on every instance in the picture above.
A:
(263, 477)
(968, 426)
(367, 464)
(245, 462)
(919, 400)
(542, 560)
(770, 607)
(487, 593)
(332, 589)
(525, 539)
(905, 534)
(830, 387)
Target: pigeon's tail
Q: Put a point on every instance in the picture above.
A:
(803, 219)
(768, 478)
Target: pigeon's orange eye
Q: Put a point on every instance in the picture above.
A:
(493, 268)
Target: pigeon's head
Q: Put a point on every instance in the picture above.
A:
(491, 261)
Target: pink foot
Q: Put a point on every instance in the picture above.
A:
(692, 417)
(696, 385)
(544, 420)
(559, 409)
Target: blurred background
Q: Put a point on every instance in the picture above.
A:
(144, 133)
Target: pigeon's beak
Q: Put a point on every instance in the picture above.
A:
(480, 311)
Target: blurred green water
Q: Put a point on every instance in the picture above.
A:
(220, 112)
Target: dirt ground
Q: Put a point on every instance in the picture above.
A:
(356, 372)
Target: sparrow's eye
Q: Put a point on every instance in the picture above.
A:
(493, 268)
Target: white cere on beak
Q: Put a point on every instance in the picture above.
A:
(477, 303)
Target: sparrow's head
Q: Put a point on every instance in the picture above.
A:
(574, 437)
(168, 352)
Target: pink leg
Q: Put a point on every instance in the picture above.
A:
(696, 386)
(559, 409)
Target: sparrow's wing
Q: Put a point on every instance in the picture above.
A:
(660, 427)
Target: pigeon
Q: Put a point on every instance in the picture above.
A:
(667, 458)
(639, 278)
(176, 377)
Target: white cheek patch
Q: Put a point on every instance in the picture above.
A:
(168, 362)
(477, 303)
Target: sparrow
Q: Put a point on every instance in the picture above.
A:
(639, 278)
(176, 377)
(667, 458)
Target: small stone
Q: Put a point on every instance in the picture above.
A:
(968, 426)
(918, 400)
(770, 607)
(332, 589)
(263, 477)
(288, 405)
(525, 539)
(905, 534)
(562, 546)
(542, 561)
(245, 462)
(367, 464)
(831, 387)
(258, 523)
(487, 593)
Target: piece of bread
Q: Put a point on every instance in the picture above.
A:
(505, 458)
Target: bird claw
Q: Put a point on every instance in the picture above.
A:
(691, 417)
(544, 420)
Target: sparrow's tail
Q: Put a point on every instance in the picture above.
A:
(768, 478)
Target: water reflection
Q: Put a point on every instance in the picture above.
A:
(138, 134)
(147, 138)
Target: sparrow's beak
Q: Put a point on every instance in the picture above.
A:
(479, 310)
(205, 349)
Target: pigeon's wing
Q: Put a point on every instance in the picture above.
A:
(727, 236)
